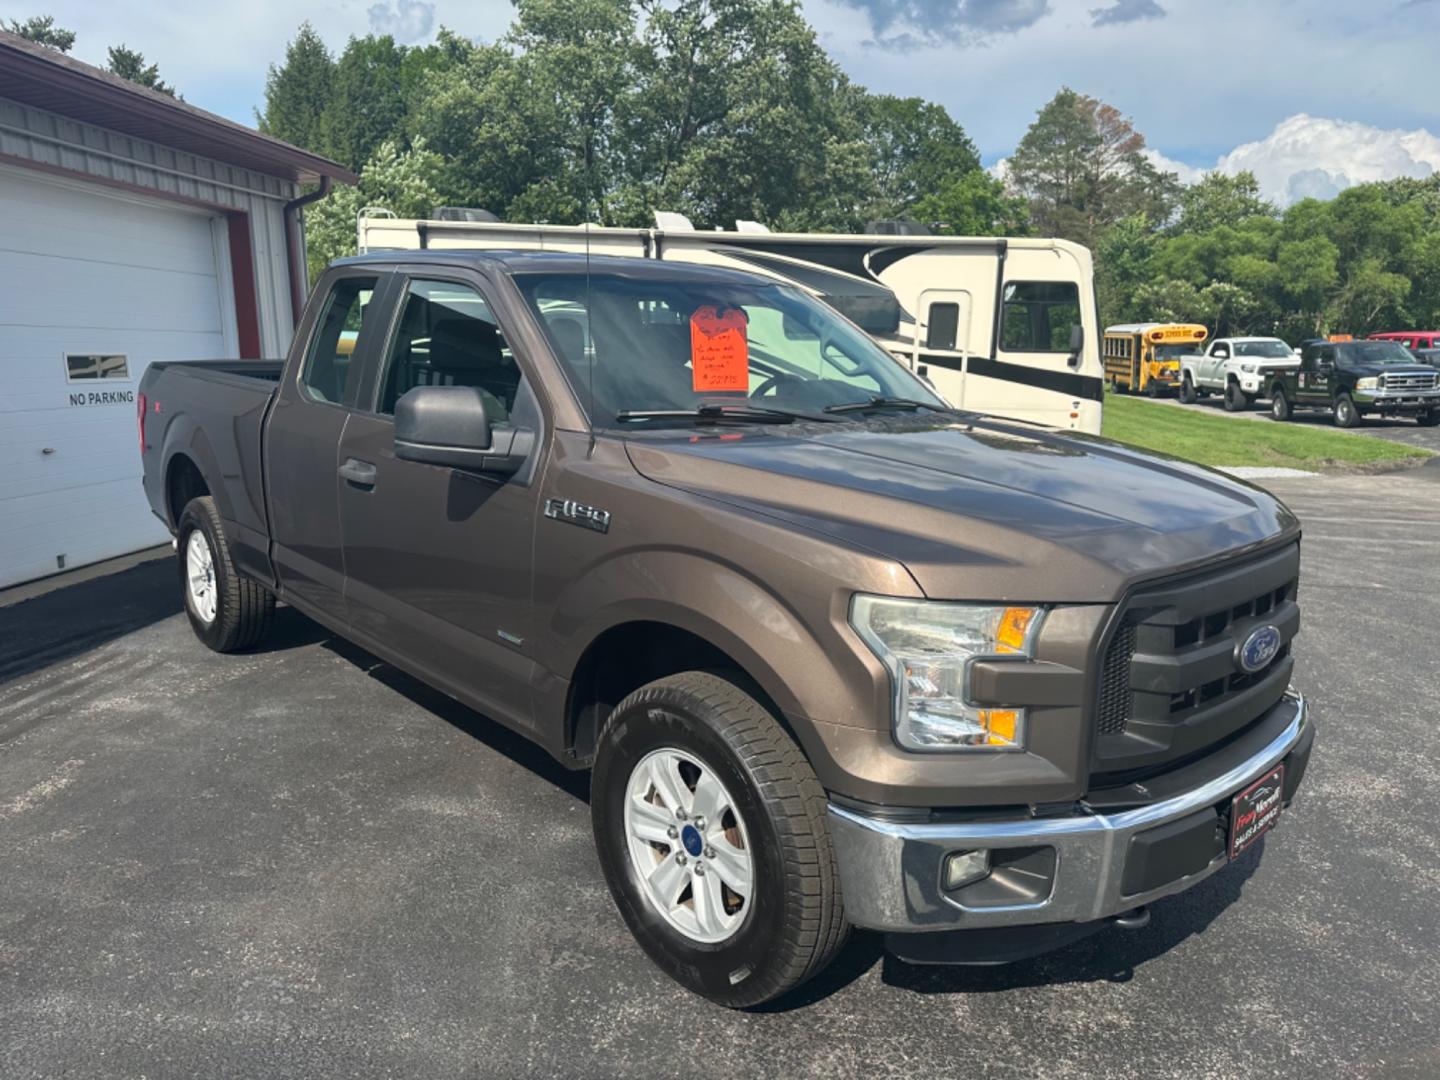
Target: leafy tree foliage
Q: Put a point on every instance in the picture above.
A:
(42, 30)
(129, 64)
(297, 93)
(606, 110)
(1081, 166)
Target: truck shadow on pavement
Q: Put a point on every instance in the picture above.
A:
(492, 733)
(75, 619)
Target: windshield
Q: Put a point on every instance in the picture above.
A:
(653, 344)
(1173, 352)
(1369, 353)
(1275, 350)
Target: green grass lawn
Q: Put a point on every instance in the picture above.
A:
(1226, 440)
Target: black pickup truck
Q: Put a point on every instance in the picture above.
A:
(837, 654)
(1352, 379)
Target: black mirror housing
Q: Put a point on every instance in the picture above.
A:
(1077, 343)
(450, 425)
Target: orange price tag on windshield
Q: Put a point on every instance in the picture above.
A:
(719, 353)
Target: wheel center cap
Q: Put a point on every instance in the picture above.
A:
(690, 837)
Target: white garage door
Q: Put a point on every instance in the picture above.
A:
(93, 286)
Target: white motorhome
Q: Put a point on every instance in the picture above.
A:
(1000, 326)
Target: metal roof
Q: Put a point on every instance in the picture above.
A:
(47, 79)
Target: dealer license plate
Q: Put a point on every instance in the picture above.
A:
(1255, 810)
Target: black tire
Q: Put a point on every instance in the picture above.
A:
(1344, 412)
(1236, 400)
(1279, 404)
(1152, 388)
(1187, 390)
(795, 922)
(1428, 419)
(243, 608)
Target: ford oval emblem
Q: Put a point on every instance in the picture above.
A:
(1257, 650)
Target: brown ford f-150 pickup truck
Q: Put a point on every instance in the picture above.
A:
(837, 654)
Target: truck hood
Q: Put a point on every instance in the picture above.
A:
(1367, 370)
(977, 510)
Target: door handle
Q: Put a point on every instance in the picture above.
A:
(358, 472)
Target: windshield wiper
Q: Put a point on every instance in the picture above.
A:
(878, 402)
(720, 412)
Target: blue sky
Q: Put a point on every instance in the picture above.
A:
(1312, 94)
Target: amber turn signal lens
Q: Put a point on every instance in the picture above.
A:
(1001, 726)
(1014, 625)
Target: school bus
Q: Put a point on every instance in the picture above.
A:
(1145, 357)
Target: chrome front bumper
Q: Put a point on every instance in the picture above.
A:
(890, 872)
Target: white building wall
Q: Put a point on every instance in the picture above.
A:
(34, 135)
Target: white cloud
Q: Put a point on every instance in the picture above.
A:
(1188, 174)
(404, 20)
(1314, 156)
(1126, 11)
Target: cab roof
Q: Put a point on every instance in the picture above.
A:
(561, 262)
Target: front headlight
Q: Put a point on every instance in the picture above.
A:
(1249, 369)
(1367, 384)
(928, 646)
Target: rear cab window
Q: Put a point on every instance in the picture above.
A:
(328, 376)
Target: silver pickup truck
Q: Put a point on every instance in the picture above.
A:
(837, 654)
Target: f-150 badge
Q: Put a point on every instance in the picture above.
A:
(589, 517)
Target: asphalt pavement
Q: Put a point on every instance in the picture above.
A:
(300, 862)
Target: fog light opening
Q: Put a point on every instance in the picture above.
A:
(965, 868)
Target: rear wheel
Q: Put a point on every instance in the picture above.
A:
(1236, 400)
(227, 612)
(1187, 390)
(710, 825)
(1279, 404)
(1345, 413)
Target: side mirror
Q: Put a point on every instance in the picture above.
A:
(1077, 343)
(450, 425)
(1221, 354)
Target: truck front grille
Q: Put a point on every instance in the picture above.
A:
(1171, 686)
(1410, 382)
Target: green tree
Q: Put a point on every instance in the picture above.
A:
(916, 150)
(365, 104)
(1082, 168)
(1217, 199)
(129, 64)
(42, 30)
(973, 203)
(404, 181)
(298, 91)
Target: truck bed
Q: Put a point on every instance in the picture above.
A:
(213, 411)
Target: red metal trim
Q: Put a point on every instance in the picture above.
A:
(242, 275)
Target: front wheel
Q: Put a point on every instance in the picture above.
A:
(1428, 419)
(1279, 404)
(1187, 391)
(1346, 414)
(1236, 400)
(227, 612)
(710, 825)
